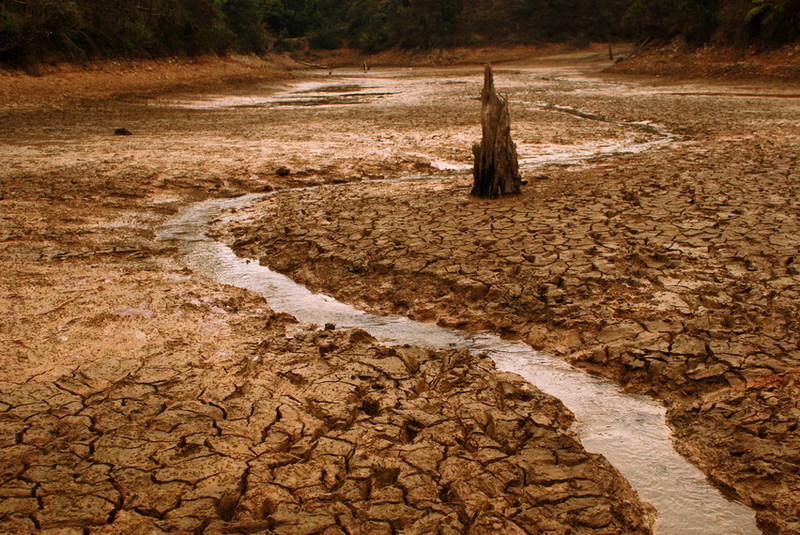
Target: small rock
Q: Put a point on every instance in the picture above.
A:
(122, 132)
(282, 171)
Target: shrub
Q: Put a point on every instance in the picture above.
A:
(325, 39)
(774, 22)
(10, 36)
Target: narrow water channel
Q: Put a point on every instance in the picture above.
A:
(629, 430)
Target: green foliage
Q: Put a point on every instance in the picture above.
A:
(10, 34)
(774, 21)
(282, 44)
(325, 39)
(367, 25)
(694, 19)
(31, 30)
(40, 30)
(245, 20)
(290, 17)
(741, 22)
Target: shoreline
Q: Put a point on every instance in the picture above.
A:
(109, 78)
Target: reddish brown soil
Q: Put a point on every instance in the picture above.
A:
(54, 85)
(672, 271)
(136, 397)
(681, 62)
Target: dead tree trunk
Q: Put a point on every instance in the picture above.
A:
(496, 170)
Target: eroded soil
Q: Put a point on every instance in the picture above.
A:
(672, 270)
(136, 397)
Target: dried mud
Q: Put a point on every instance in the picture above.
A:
(138, 398)
(680, 60)
(672, 271)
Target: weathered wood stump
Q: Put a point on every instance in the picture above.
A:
(496, 170)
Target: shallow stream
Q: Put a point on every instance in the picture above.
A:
(629, 430)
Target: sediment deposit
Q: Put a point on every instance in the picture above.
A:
(138, 396)
(672, 271)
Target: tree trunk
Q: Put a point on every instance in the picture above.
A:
(496, 170)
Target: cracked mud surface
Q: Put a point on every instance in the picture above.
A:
(251, 422)
(137, 398)
(673, 271)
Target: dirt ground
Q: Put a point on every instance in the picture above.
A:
(781, 65)
(136, 397)
(670, 270)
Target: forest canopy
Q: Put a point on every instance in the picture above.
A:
(43, 30)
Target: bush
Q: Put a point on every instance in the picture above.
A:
(694, 19)
(282, 44)
(10, 36)
(245, 24)
(774, 22)
(325, 39)
(37, 30)
(738, 22)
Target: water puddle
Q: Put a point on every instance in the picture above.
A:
(629, 430)
(303, 94)
(539, 155)
(533, 156)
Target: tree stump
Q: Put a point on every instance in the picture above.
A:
(496, 170)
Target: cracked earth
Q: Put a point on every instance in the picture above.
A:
(292, 430)
(672, 271)
(136, 397)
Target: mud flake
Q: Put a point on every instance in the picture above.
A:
(73, 510)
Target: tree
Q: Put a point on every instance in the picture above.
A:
(696, 20)
(496, 171)
(774, 21)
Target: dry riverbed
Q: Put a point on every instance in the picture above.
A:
(137, 397)
(672, 270)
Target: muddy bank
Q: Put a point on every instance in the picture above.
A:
(52, 86)
(136, 397)
(549, 53)
(671, 271)
(680, 61)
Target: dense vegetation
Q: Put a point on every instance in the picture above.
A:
(737, 22)
(36, 30)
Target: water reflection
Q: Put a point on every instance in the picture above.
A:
(629, 430)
